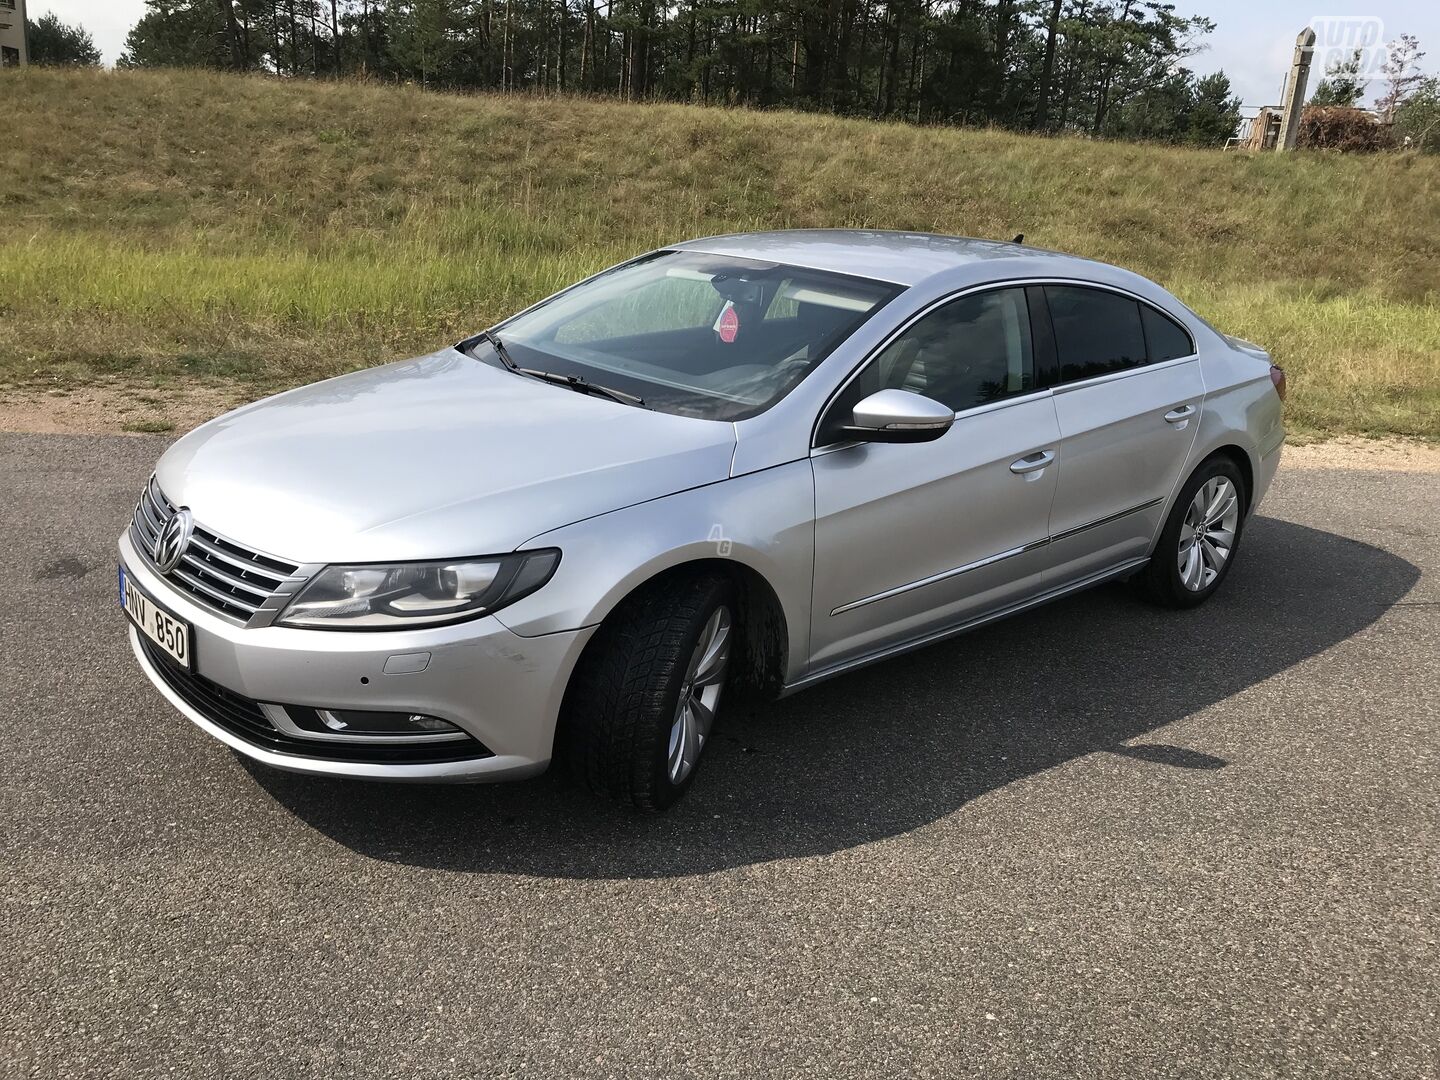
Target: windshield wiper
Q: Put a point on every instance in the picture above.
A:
(500, 350)
(574, 382)
(585, 386)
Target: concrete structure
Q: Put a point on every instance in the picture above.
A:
(13, 49)
(1294, 99)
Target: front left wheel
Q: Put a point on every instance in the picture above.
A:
(642, 705)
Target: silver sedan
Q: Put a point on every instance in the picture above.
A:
(740, 464)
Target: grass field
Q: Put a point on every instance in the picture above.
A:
(160, 226)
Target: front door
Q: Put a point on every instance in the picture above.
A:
(913, 538)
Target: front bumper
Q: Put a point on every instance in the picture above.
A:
(501, 688)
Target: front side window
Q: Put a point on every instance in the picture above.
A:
(1096, 332)
(698, 335)
(972, 351)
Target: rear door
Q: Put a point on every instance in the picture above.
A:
(1128, 393)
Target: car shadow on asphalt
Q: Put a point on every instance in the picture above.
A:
(904, 743)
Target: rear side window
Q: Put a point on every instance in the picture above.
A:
(1166, 339)
(1096, 332)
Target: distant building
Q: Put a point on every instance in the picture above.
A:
(13, 50)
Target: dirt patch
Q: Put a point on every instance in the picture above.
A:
(1350, 452)
(116, 408)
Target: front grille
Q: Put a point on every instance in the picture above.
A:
(242, 717)
(217, 573)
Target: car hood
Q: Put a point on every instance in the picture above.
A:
(437, 457)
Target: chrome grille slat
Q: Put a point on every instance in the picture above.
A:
(153, 515)
(164, 505)
(144, 515)
(209, 570)
(141, 526)
(227, 599)
(267, 564)
(226, 577)
(276, 579)
(141, 535)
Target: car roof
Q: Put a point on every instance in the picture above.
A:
(901, 258)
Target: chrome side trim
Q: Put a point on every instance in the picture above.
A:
(962, 627)
(944, 575)
(1105, 520)
(1124, 373)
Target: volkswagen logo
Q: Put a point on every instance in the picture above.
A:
(174, 538)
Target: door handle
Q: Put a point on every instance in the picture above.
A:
(1180, 414)
(1032, 462)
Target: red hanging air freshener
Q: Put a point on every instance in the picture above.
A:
(728, 324)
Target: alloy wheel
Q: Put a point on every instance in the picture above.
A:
(1207, 535)
(699, 695)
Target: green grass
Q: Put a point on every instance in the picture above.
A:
(148, 427)
(162, 226)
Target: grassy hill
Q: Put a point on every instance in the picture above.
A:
(154, 225)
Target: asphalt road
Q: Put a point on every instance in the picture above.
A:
(1095, 841)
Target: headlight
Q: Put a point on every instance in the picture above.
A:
(417, 594)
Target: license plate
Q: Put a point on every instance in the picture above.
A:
(171, 634)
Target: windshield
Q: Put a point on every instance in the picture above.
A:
(693, 334)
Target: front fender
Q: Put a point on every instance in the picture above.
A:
(764, 520)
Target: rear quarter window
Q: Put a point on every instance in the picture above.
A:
(1164, 337)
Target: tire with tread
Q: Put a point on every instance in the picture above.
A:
(614, 736)
(1159, 582)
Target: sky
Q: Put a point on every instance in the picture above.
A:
(1252, 41)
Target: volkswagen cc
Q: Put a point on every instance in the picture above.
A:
(744, 463)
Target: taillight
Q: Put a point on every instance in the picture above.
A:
(1277, 378)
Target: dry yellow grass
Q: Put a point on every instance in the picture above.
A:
(161, 224)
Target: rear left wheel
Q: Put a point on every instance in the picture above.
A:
(1201, 536)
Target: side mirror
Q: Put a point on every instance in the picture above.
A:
(898, 416)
